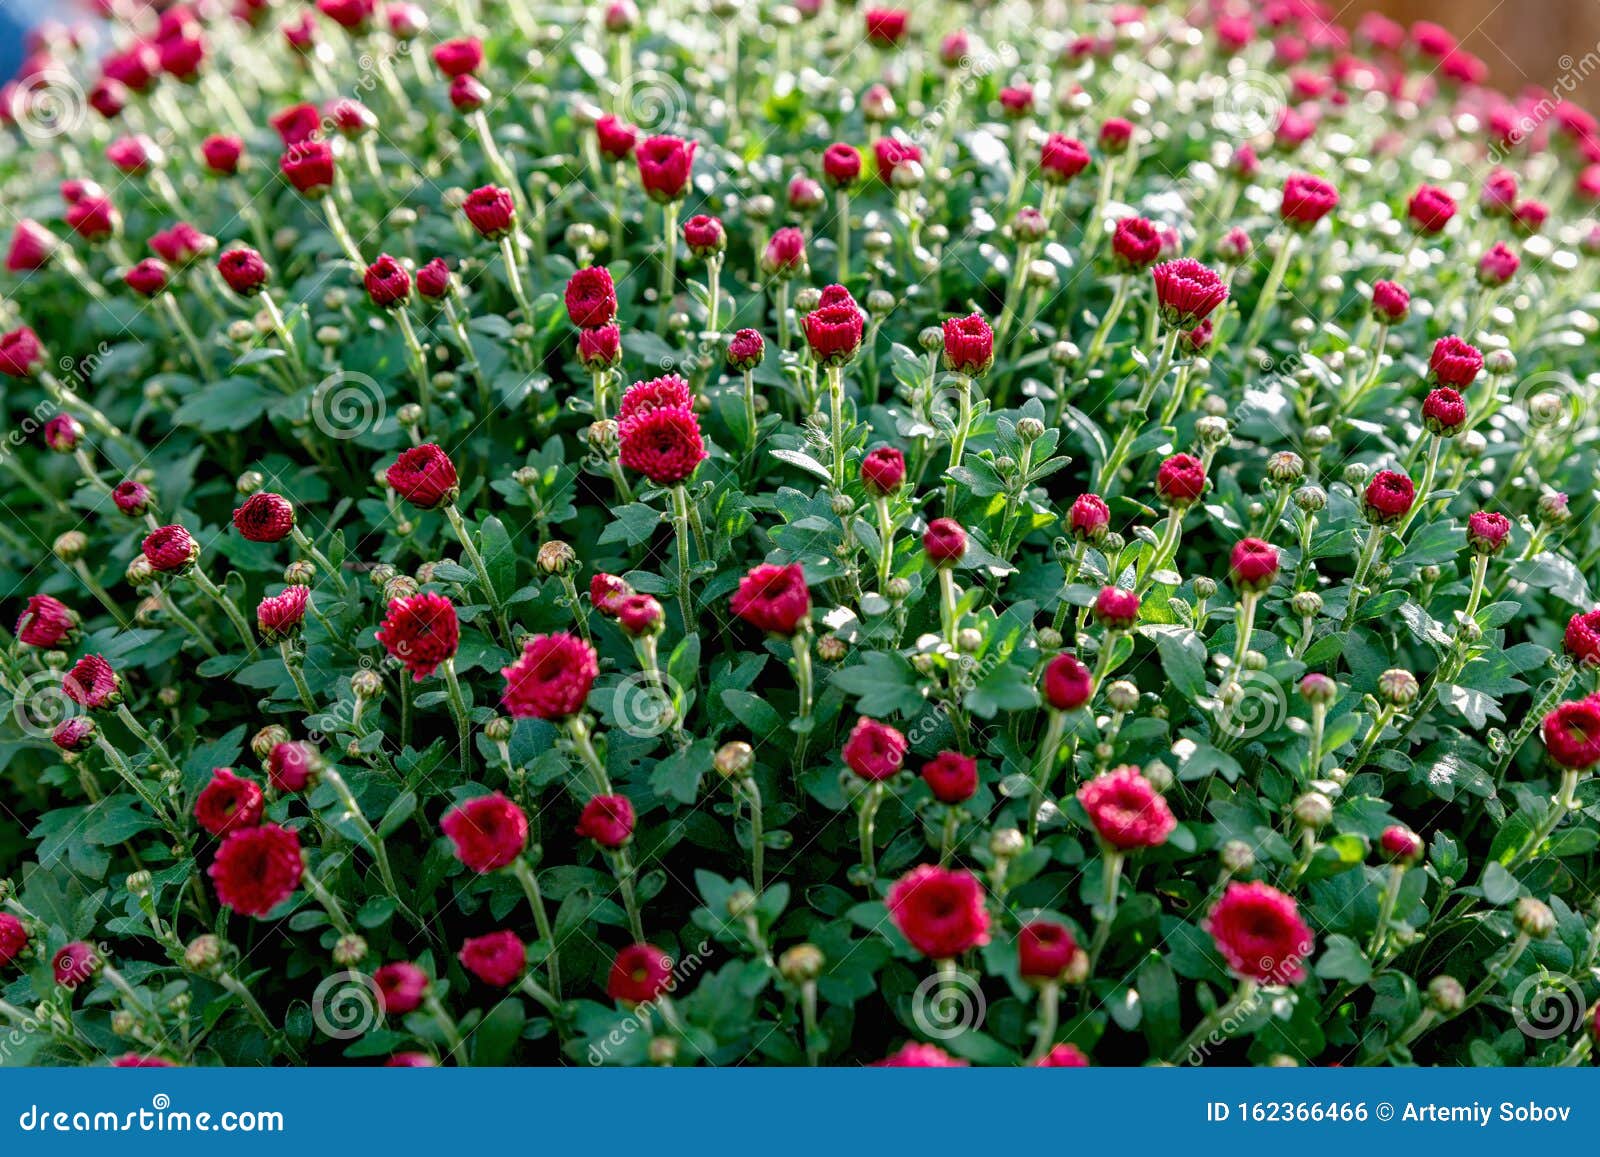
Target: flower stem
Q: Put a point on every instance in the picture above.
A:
(541, 920)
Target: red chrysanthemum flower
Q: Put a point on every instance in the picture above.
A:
(773, 598)
(941, 912)
(496, 959)
(1135, 243)
(886, 27)
(841, 165)
(639, 974)
(387, 282)
(264, 517)
(491, 211)
(1068, 684)
(75, 963)
(600, 348)
(244, 270)
(591, 297)
(1307, 200)
(890, 153)
(1187, 292)
(222, 154)
(668, 392)
(489, 831)
(21, 354)
(424, 476)
(1487, 532)
(1063, 1056)
(1498, 265)
(1444, 412)
(1116, 134)
(47, 622)
(882, 471)
(664, 445)
(1391, 303)
(1430, 209)
(1400, 844)
(1181, 480)
(459, 57)
(74, 735)
(944, 542)
(1116, 609)
(617, 139)
(607, 820)
(292, 765)
(1047, 951)
(640, 615)
(308, 166)
(745, 350)
(1388, 497)
(281, 616)
(92, 683)
(968, 345)
(1572, 734)
(402, 986)
(705, 235)
(1259, 932)
(13, 938)
(94, 218)
(182, 245)
(421, 631)
(171, 549)
(951, 776)
(63, 433)
(874, 751)
(1126, 810)
(257, 869)
(916, 1055)
(1062, 158)
(551, 679)
(1454, 362)
(433, 280)
(1088, 518)
(664, 166)
(32, 246)
(785, 254)
(606, 594)
(1582, 638)
(228, 802)
(1253, 564)
(148, 277)
(834, 330)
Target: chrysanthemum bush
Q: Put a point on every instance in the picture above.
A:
(998, 534)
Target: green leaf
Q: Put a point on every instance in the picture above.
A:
(1342, 959)
(885, 683)
(754, 712)
(499, 557)
(634, 524)
(1500, 887)
(1183, 657)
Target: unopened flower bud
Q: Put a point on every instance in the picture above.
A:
(1534, 918)
(499, 729)
(556, 557)
(267, 738)
(138, 883)
(1311, 499)
(1123, 695)
(1064, 354)
(1318, 436)
(409, 415)
(1446, 995)
(801, 964)
(898, 589)
(1205, 586)
(1500, 362)
(139, 573)
(69, 546)
(663, 1051)
(969, 639)
(832, 649)
(1237, 856)
(1286, 468)
(249, 482)
(1313, 810)
(734, 759)
(1397, 687)
(366, 684)
(349, 950)
(203, 953)
(1006, 842)
(1306, 604)
(400, 587)
(1212, 430)
(300, 573)
(1049, 639)
(1318, 689)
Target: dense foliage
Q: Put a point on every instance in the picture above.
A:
(774, 534)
